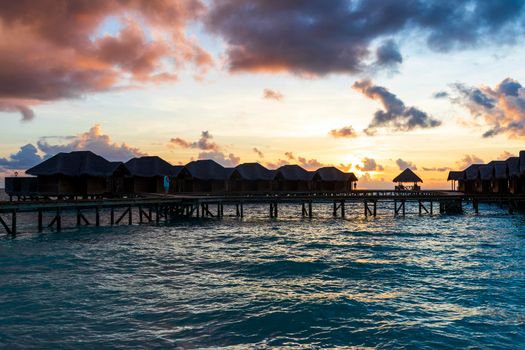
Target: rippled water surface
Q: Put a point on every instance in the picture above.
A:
(418, 282)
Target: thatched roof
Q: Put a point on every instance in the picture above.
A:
(471, 173)
(500, 169)
(407, 176)
(522, 162)
(513, 165)
(293, 173)
(456, 175)
(78, 163)
(331, 173)
(207, 169)
(486, 172)
(254, 172)
(151, 167)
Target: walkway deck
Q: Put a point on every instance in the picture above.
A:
(154, 208)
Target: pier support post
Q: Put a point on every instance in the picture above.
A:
(112, 216)
(97, 216)
(242, 210)
(310, 214)
(157, 214)
(13, 222)
(342, 209)
(475, 205)
(40, 220)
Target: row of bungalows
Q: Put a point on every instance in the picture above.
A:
(86, 174)
(498, 177)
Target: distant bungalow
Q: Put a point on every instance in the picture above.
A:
(407, 176)
(85, 174)
(495, 177)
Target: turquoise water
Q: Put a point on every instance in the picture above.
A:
(443, 282)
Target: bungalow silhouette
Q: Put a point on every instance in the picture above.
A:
(80, 173)
(407, 176)
(251, 177)
(495, 177)
(83, 173)
(331, 179)
(147, 175)
(203, 176)
(292, 178)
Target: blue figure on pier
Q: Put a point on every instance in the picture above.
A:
(166, 184)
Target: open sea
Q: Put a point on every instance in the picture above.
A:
(441, 282)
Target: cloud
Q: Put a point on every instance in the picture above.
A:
(25, 158)
(289, 155)
(366, 181)
(403, 164)
(388, 55)
(442, 169)
(369, 164)
(308, 164)
(93, 140)
(203, 143)
(229, 160)
(54, 50)
(347, 132)
(26, 113)
(440, 94)
(270, 94)
(468, 160)
(396, 116)
(319, 37)
(345, 167)
(258, 152)
(502, 108)
(506, 155)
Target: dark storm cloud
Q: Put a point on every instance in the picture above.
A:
(396, 115)
(318, 37)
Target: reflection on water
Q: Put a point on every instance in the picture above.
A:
(429, 282)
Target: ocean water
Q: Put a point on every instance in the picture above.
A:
(441, 282)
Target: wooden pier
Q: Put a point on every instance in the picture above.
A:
(156, 208)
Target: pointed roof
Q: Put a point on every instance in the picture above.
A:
(486, 172)
(407, 176)
(151, 166)
(500, 169)
(471, 173)
(254, 171)
(331, 173)
(207, 169)
(293, 172)
(522, 162)
(78, 163)
(456, 175)
(513, 165)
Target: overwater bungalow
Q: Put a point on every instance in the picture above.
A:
(147, 175)
(485, 177)
(500, 177)
(458, 180)
(514, 183)
(472, 178)
(203, 176)
(251, 177)
(407, 176)
(80, 173)
(292, 178)
(331, 179)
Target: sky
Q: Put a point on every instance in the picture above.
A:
(371, 87)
